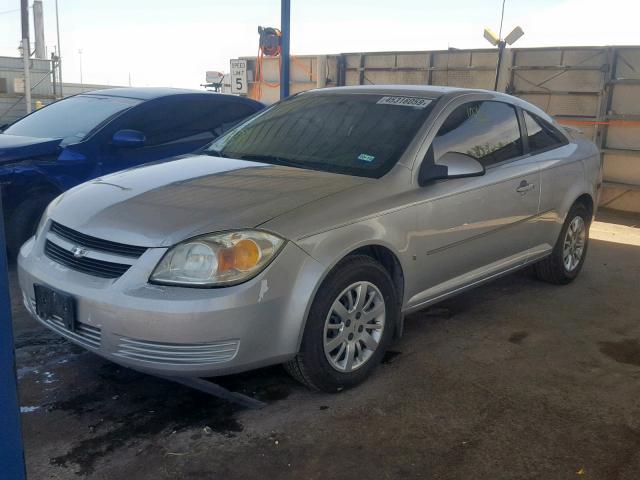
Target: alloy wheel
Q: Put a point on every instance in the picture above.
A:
(574, 243)
(354, 326)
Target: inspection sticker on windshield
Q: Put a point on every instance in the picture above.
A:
(366, 158)
(405, 101)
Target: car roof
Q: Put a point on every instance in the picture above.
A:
(433, 92)
(151, 93)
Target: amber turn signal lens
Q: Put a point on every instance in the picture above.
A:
(247, 255)
(243, 256)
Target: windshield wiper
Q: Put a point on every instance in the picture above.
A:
(215, 153)
(275, 160)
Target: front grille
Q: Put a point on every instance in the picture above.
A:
(177, 353)
(91, 266)
(96, 243)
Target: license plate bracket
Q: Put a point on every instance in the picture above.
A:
(54, 305)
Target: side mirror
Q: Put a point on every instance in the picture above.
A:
(128, 139)
(450, 165)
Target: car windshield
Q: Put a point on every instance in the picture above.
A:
(71, 119)
(358, 134)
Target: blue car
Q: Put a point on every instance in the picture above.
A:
(96, 133)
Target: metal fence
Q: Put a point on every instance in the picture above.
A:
(12, 103)
(596, 89)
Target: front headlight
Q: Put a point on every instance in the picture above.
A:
(217, 259)
(42, 223)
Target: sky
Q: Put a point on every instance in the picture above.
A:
(171, 43)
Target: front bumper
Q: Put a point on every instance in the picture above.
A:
(178, 331)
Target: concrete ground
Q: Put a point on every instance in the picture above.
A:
(514, 380)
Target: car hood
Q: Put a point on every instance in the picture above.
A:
(14, 147)
(166, 202)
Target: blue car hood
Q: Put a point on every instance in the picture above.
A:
(14, 147)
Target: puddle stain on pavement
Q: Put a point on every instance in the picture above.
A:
(518, 337)
(123, 408)
(625, 351)
(133, 407)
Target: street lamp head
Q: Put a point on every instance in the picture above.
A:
(491, 37)
(515, 34)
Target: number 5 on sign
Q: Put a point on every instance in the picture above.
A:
(238, 76)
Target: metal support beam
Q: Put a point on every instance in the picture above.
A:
(285, 28)
(342, 70)
(11, 451)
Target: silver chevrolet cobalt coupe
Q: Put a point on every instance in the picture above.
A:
(305, 234)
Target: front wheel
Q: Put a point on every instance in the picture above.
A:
(22, 224)
(570, 251)
(349, 327)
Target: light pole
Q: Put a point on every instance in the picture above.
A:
(80, 54)
(515, 34)
(501, 43)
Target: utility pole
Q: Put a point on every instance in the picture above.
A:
(59, 52)
(285, 29)
(38, 30)
(26, 52)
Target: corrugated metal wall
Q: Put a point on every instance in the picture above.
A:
(596, 89)
(621, 131)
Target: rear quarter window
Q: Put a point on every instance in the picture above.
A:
(541, 135)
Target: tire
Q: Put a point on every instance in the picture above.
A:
(24, 221)
(374, 318)
(554, 269)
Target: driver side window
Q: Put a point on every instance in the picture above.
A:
(488, 131)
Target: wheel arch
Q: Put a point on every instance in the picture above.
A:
(381, 253)
(21, 189)
(587, 200)
(388, 260)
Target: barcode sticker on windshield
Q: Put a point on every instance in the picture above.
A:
(405, 101)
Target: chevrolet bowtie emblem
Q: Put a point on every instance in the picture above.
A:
(79, 252)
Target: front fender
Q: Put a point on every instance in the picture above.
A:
(394, 231)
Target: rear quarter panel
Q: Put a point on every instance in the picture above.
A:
(566, 174)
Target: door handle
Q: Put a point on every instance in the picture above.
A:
(525, 186)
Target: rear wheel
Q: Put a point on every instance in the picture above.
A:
(570, 251)
(349, 328)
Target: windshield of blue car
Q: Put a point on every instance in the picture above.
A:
(71, 119)
(360, 134)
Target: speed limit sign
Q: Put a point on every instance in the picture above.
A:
(238, 76)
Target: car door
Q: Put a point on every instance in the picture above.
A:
(472, 228)
(173, 126)
(558, 172)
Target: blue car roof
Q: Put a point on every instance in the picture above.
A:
(150, 93)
